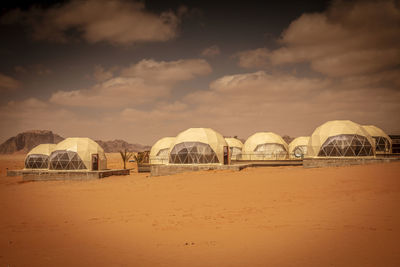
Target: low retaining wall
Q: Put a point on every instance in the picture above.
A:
(159, 170)
(48, 175)
(337, 162)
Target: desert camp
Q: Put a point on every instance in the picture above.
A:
(200, 133)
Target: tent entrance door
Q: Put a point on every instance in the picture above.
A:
(95, 162)
(226, 155)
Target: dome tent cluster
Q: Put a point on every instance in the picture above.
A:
(339, 138)
(71, 154)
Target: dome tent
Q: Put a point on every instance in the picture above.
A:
(159, 151)
(298, 147)
(265, 146)
(235, 147)
(383, 143)
(199, 146)
(38, 157)
(78, 154)
(340, 138)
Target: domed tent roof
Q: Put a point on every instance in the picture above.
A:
(257, 140)
(300, 143)
(84, 148)
(214, 145)
(234, 142)
(43, 149)
(383, 143)
(159, 151)
(38, 157)
(340, 128)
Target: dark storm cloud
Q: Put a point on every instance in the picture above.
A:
(116, 21)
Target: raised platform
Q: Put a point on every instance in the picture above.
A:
(343, 161)
(160, 170)
(48, 175)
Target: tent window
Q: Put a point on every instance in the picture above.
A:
(346, 145)
(382, 144)
(65, 160)
(300, 151)
(192, 153)
(235, 152)
(270, 151)
(37, 161)
(163, 152)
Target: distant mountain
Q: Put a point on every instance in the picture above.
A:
(120, 145)
(24, 142)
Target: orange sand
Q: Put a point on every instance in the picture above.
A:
(283, 216)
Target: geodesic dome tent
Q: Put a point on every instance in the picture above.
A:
(265, 146)
(159, 151)
(199, 146)
(235, 147)
(340, 138)
(78, 154)
(38, 157)
(298, 147)
(383, 143)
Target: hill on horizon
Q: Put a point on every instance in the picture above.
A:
(25, 141)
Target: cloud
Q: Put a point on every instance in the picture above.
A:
(354, 38)
(37, 69)
(255, 58)
(100, 74)
(118, 22)
(168, 72)
(8, 83)
(144, 82)
(350, 38)
(211, 51)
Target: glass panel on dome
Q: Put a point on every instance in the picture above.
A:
(346, 145)
(192, 153)
(65, 160)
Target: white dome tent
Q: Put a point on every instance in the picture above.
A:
(298, 147)
(235, 147)
(199, 146)
(159, 152)
(38, 157)
(265, 146)
(78, 154)
(340, 138)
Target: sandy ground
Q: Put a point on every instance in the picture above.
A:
(286, 216)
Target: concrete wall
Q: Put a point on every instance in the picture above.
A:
(337, 162)
(47, 175)
(158, 170)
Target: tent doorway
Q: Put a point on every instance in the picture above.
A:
(95, 162)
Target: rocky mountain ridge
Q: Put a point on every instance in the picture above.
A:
(24, 142)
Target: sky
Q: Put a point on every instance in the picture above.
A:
(143, 70)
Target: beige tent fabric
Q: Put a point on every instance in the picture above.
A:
(262, 138)
(235, 146)
(333, 128)
(161, 145)
(85, 147)
(206, 136)
(233, 142)
(43, 149)
(301, 141)
(378, 132)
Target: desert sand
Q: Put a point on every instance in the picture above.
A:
(276, 216)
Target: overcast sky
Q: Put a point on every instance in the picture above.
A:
(142, 70)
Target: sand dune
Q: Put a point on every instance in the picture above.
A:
(286, 216)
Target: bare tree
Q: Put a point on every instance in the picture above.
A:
(125, 155)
